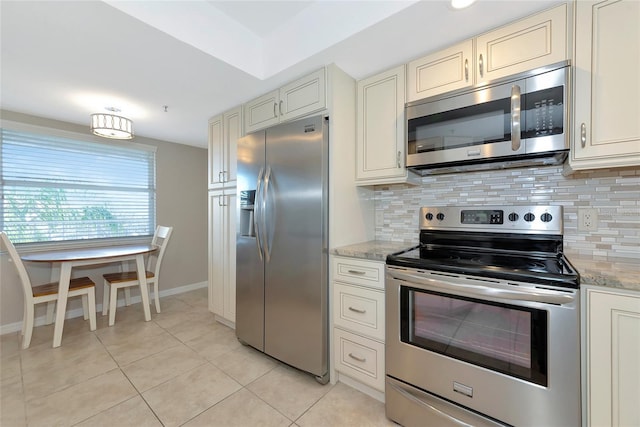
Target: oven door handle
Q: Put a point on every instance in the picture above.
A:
(543, 296)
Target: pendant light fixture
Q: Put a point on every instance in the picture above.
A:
(111, 125)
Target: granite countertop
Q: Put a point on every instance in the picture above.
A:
(617, 275)
(374, 250)
(610, 274)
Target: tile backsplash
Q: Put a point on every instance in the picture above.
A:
(615, 193)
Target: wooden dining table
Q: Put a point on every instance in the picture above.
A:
(69, 258)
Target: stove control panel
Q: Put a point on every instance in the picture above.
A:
(514, 219)
(481, 216)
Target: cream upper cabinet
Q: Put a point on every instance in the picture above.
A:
(297, 99)
(262, 112)
(606, 127)
(380, 141)
(612, 357)
(224, 131)
(222, 254)
(529, 43)
(440, 72)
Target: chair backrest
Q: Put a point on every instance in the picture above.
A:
(22, 271)
(160, 238)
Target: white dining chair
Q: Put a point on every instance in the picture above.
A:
(127, 279)
(48, 293)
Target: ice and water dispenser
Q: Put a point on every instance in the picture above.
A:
(247, 199)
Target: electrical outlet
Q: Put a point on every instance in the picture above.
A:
(587, 219)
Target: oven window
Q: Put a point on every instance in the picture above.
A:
(501, 337)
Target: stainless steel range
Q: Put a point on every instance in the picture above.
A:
(483, 321)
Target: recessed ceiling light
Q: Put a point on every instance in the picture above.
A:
(461, 4)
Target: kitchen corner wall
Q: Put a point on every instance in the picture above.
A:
(615, 193)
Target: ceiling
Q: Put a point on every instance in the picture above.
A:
(64, 60)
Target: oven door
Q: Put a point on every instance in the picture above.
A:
(509, 351)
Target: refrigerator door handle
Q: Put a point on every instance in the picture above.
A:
(256, 210)
(265, 232)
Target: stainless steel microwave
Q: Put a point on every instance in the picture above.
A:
(519, 121)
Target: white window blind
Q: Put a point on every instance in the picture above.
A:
(60, 189)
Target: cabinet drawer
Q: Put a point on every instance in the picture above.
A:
(359, 309)
(359, 358)
(359, 272)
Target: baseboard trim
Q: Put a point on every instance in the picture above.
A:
(40, 320)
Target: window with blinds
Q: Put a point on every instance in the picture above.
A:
(61, 189)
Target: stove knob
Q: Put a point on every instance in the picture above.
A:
(529, 217)
(513, 216)
(440, 216)
(429, 216)
(546, 217)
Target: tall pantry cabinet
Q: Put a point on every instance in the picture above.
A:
(224, 131)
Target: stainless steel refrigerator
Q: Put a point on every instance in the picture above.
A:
(281, 242)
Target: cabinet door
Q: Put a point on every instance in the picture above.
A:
(380, 128)
(216, 149)
(222, 254)
(229, 206)
(303, 96)
(441, 72)
(607, 86)
(232, 132)
(530, 43)
(216, 252)
(613, 371)
(262, 112)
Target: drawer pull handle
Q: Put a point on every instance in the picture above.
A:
(358, 358)
(357, 310)
(357, 272)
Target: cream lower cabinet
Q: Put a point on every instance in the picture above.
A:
(380, 134)
(612, 341)
(358, 321)
(297, 99)
(224, 132)
(222, 255)
(526, 44)
(606, 127)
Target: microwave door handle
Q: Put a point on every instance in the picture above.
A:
(515, 117)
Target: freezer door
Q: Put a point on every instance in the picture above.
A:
(249, 260)
(296, 269)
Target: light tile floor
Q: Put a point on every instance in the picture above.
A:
(180, 369)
